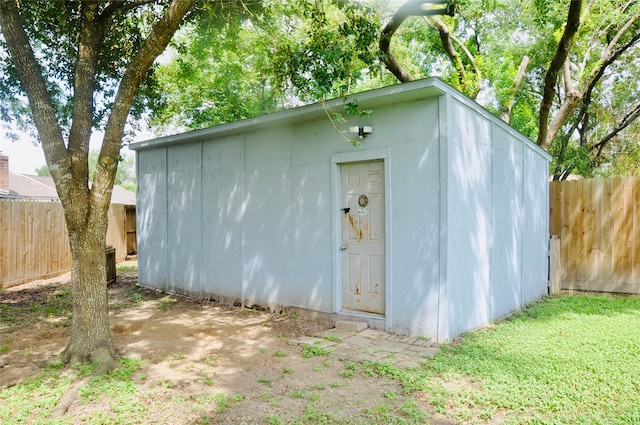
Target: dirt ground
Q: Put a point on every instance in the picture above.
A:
(190, 349)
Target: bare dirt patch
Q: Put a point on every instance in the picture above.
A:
(201, 362)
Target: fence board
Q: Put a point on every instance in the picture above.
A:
(555, 266)
(598, 222)
(34, 243)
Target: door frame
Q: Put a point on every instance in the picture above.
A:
(337, 160)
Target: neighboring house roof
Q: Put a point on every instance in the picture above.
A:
(22, 187)
(25, 186)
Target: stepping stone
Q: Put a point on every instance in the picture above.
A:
(350, 326)
(333, 333)
(373, 334)
(305, 340)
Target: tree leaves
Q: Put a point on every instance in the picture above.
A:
(282, 54)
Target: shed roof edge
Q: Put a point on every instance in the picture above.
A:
(425, 88)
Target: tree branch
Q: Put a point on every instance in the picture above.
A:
(626, 122)
(446, 37)
(154, 45)
(507, 106)
(90, 39)
(450, 50)
(562, 52)
(409, 8)
(121, 7)
(34, 85)
(574, 96)
(385, 43)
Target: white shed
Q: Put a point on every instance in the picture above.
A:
(436, 224)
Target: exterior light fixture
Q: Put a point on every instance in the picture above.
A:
(361, 130)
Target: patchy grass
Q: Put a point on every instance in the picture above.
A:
(166, 302)
(567, 359)
(309, 351)
(53, 306)
(127, 266)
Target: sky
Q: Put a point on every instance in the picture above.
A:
(25, 157)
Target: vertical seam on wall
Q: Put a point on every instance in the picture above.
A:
(243, 188)
(522, 219)
(166, 217)
(336, 264)
(492, 154)
(443, 150)
(388, 257)
(200, 224)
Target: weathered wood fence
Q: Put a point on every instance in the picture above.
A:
(34, 243)
(598, 223)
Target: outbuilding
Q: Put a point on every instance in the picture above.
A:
(437, 223)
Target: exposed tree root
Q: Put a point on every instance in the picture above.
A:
(67, 399)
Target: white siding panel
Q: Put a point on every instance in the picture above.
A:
(184, 209)
(223, 198)
(536, 229)
(470, 221)
(415, 234)
(506, 265)
(310, 243)
(267, 235)
(151, 218)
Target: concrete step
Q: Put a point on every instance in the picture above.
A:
(350, 326)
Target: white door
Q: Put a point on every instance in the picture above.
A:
(363, 257)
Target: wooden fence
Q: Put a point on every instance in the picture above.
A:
(34, 243)
(598, 223)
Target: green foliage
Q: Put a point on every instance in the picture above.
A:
(43, 171)
(52, 28)
(279, 55)
(236, 60)
(126, 174)
(328, 54)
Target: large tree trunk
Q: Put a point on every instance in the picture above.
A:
(86, 206)
(557, 63)
(90, 330)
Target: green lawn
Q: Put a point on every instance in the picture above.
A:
(570, 359)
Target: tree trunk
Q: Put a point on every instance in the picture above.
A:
(86, 205)
(90, 330)
(564, 48)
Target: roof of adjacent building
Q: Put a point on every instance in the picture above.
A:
(24, 186)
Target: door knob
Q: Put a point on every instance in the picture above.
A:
(343, 247)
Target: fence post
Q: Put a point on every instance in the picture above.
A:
(555, 266)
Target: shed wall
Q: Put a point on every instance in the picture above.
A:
(509, 212)
(496, 239)
(223, 209)
(469, 222)
(248, 218)
(152, 218)
(253, 217)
